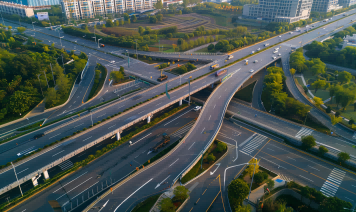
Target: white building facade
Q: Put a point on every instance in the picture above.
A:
(278, 10)
(347, 3)
(81, 9)
(17, 9)
(325, 6)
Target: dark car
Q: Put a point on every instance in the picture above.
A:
(38, 135)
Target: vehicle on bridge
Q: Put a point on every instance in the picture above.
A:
(214, 66)
(102, 45)
(230, 57)
(246, 62)
(221, 72)
(162, 143)
(162, 78)
(266, 44)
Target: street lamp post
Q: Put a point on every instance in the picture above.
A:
(38, 76)
(189, 90)
(17, 178)
(306, 117)
(34, 32)
(95, 38)
(99, 42)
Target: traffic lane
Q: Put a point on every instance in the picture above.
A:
(307, 170)
(232, 134)
(102, 166)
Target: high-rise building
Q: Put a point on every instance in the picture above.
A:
(347, 3)
(36, 3)
(16, 9)
(90, 8)
(325, 6)
(278, 10)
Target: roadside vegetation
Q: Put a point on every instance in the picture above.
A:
(246, 94)
(99, 80)
(147, 204)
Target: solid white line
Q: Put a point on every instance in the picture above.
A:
(219, 97)
(209, 118)
(87, 138)
(306, 178)
(273, 163)
(54, 136)
(314, 168)
(214, 106)
(140, 139)
(141, 112)
(112, 126)
(173, 162)
(70, 182)
(349, 199)
(178, 117)
(84, 190)
(158, 103)
(22, 171)
(191, 146)
(120, 107)
(165, 179)
(290, 158)
(203, 130)
(132, 194)
(58, 153)
(73, 188)
(270, 149)
(101, 115)
(78, 125)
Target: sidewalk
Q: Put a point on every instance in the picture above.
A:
(259, 192)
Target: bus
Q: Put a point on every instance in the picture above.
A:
(220, 72)
(214, 66)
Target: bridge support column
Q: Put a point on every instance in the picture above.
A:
(34, 181)
(148, 119)
(212, 85)
(180, 102)
(45, 174)
(118, 136)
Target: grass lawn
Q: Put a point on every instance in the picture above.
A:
(323, 94)
(348, 113)
(169, 50)
(147, 204)
(300, 81)
(219, 20)
(245, 94)
(205, 50)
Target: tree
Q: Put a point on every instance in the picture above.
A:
(334, 119)
(153, 19)
(323, 150)
(211, 158)
(332, 204)
(103, 26)
(237, 192)
(9, 27)
(126, 16)
(159, 5)
(134, 18)
(19, 102)
(292, 71)
(21, 29)
(181, 193)
(122, 22)
(308, 141)
(220, 147)
(343, 156)
(253, 162)
(141, 30)
(318, 84)
(246, 208)
(305, 192)
(180, 12)
(282, 208)
(117, 76)
(159, 17)
(344, 77)
(117, 23)
(260, 177)
(109, 23)
(129, 21)
(166, 205)
(318, 101)
(51, 97)
(270, 183)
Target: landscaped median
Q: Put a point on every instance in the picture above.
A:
(90, 158)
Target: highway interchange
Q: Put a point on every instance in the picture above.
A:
(200, 136)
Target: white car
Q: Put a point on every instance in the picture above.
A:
(275, 52)
(280, 36)
(273, 57)
(113, 61)
(279, 54)
(197, 108)
(252, 52)
(258, 49)
(252, 70)
(256, 61)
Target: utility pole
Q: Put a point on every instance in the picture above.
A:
(17, 178)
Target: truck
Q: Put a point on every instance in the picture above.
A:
(220, 72)
(325, 20)
(165, 140)
(214, 66)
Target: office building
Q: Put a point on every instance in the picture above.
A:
(325, 6)
(347, 3)
(16, 9)
(78, 9)
(36, 3)
(278, 10)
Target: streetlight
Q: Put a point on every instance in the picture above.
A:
(98, 42)
(17, 178)
(34, 31)
(306, 117)
(95, 38)
(189, 89)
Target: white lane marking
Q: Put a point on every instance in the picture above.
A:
(112, 126)
(191, 146)
(54, 136)
(209, 118)
(203, 130)
(120, 107)
(140, 139)
(219, 97)
(141, 112)
(69, 106)
(58, 153)
(178, 117)
(22, 171)
(314, 168)
(73, 188)
(214, 106)
(158, 103)
(273, 163)
(87, 138)
(270, 149)
(173, 162)
(132, 194)
(74, 102)
(306, 178)
(101, 115)
(78, 125)
(70, 182)
(23, 210)
(83, 191)
(291, 158)
(349, 199)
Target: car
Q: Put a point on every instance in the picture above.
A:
(230, 57)
(290, 32)
(256, 61)
(275, 52)
(280, 36)
(258, 49)
(197, 108)
(273, 57)
(252, 52)
(113, 61)
(252, 70)
(38, 135)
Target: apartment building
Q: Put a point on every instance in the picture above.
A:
(347, 3)
(16, 9)
(90, 8)
(36, 3)
(325, 6)
(278, 10)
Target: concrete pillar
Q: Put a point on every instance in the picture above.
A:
(45, 174)
(118, 135)
(212, 85)
(34, 181)
(180, 102)
(148, 119)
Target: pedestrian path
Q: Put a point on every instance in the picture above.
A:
(303, 132)
(285, 178)
(254, 144)
(331, 186)
(65, 165)
(182, 131)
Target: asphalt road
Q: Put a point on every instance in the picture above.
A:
(205, 129)
(110, 167)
